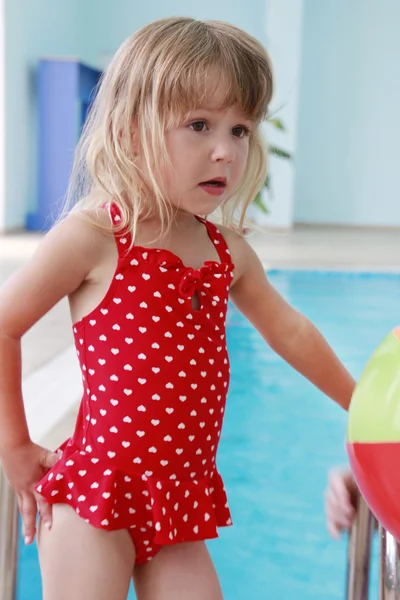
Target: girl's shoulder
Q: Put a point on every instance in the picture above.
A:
(67, 256)
(74, 247)
(85, 229)
(231, 236)
(238, 248)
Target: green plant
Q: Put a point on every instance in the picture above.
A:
(258, 201)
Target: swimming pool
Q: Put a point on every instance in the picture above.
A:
(280, 437)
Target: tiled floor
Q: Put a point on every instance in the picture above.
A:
(47, 343)
(330, 248)
(51, 334)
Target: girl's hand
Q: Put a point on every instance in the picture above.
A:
(24, 467)
(340, 501)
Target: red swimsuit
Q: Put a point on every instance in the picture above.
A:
(156, 375)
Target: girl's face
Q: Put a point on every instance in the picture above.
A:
(208, 152)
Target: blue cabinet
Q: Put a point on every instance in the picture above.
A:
(65, 90)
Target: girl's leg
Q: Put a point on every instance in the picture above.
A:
(80, 562)
(179, 572)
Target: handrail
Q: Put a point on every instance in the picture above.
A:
(359, 557)
(359, 552)
(389, 580)
(8, 540)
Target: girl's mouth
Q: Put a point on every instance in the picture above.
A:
(215, 187)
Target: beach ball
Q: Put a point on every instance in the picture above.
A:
(373, 433)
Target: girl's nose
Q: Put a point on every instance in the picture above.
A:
(223, 150)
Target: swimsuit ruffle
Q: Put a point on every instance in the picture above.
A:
(175, 511)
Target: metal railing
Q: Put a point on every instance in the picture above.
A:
(359, 558)
(8, 540)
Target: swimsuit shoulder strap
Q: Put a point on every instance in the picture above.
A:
(218, 240)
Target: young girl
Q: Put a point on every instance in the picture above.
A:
(174, 135)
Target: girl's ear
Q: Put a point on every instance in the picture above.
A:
(130, 141)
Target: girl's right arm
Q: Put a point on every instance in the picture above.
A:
(63, 261)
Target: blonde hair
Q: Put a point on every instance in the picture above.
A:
(156, 77)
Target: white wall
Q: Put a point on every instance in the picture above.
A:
(119, 19)
(33, 30)
(2, 117)
(284, 23)
(347, 156)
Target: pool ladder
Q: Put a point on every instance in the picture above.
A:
(358, 560)
(359, 557)
(8, 540)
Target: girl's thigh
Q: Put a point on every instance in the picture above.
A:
(178, 572)
(82, 562)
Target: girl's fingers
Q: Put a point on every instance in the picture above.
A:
(49, 459)
(339, 486)
(339, 512)
(46, 512)
(28, 508)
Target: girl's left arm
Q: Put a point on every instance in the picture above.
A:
(288, 332)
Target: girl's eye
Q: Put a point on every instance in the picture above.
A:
(240, 131)
(198, 126)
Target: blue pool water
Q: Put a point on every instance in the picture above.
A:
(280, 438)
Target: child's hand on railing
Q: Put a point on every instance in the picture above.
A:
(340, 501)
(24, 467)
